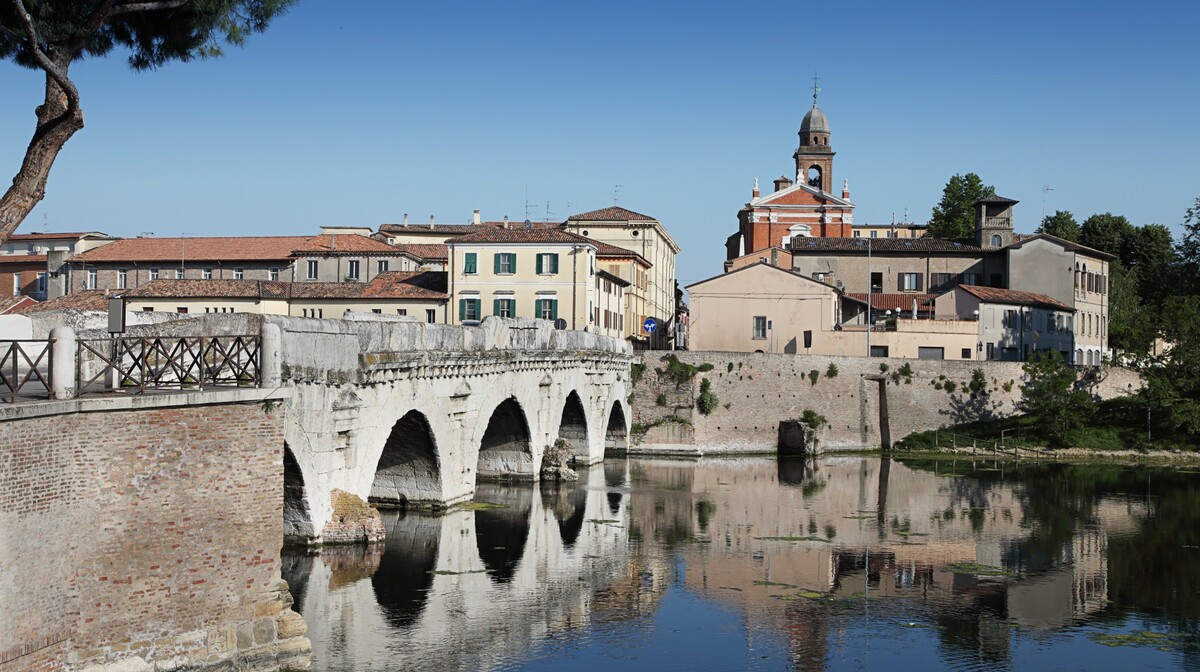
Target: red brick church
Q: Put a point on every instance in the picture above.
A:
(803, 207)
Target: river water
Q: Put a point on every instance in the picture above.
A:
(843, 563)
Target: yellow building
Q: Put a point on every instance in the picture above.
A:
(543, 273)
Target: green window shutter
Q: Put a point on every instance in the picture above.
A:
(553, 309)
(496, 262)
(469, 263)
(540, 265)
(537, 308)
(462, 309)
(496, 307)
(512, 262)
(554, 262)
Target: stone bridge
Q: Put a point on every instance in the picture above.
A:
(402, 414)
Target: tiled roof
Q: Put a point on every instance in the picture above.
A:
(429, 285)
(23, 259)
(29, 237)
(460, 229)
(520, 234)
(16, 304)
(425, 251)
(87, 300)
(609, 251)
(894, 301)
(1090, 251)
(612, 214)
(204, 289)
(859, 245)
(1013, 296)
(226, 248)
(996, 199)
(343, 243)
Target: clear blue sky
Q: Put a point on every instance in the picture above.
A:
(354, 113)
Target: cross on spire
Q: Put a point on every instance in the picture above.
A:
(816, 89)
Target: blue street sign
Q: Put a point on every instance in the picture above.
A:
(650, 325)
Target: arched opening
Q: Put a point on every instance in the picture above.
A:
(573, 428)
(407, 474)
(505, 452)
(297, 523)
(406, 569)
(616, 434)
(814, 176)
(569, 504)
(615, 482)
(501, 533)
(997, 241)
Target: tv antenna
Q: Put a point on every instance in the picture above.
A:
(528, 205)
(548, 213)
(616, 193)
(1045, 188)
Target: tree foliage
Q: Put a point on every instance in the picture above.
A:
(1108, 233)
(1050, 396)
(1173, 378)
(1189, 250)
(1151, 255)
(954, 217)
(51, 35)
(1061, 224)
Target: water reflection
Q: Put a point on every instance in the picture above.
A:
(843, 563)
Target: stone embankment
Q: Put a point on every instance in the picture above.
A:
(754, 392)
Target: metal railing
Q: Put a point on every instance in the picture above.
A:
(25, 370)
(182, 362)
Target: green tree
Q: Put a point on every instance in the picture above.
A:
(1108, 233)
(1189, 250)
(954, 217)
(1151, 252)
(1061, 224)
(1049, 395)
(1173, 378)
(51, 35)
(1131, 329)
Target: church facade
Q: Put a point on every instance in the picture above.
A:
(805, 206)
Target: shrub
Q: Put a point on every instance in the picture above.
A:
(661, 399)
(832, 371)
(636, 371)
(813, 376)
(706, 401)
(978, 384)
(951, 386)
(883, 367)
(813, 419)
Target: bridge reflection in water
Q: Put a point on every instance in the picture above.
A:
(843, 563)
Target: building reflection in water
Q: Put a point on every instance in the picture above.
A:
(830, 558)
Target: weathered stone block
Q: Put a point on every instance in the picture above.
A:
(264, 631)
(290, 624)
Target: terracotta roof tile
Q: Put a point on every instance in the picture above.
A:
(28, 237)
(425, 251)
(227, 248)
(203, 289)
(392, 285)
(1014, 297)
(610, 251)
(407, 285)
(16, 304)
(87, 300)
(611, 214)
(914, 245)
(894, 301)
(343, 243)
(23, 259)
(460, 229)
(520, 234)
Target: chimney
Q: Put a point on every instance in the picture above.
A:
(782, 182)
(405, 219)
(332, 243)
(846, 193)
(475, 218)
(506, 221)
(754, 194)
(431, 221)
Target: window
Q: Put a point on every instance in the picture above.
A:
(402, 311)
(468, 309)
(16, 284)
(91, 278)
(41, 282)
(997, 241)
(377, 311)
(966, 353)
(122, 278)
(547, 263)
(504, 307)
(877, 283)
(239, 273)
(546, 309)
(991, 350)
(148, 309)
(430, 315)
(940, 281)
(874, 234)
(930, 352)
(879, 351)
(470, 267)
(1010, 319)
(760, 327)
(272, 273)
(505, 263)
(970, 278)
(819, 277)
(858, 234)
(179, 274)
(910, 282)
(181, 309)
(206, 274)
(352, 270)
(381, 266)
(312, 269)
(154, 274)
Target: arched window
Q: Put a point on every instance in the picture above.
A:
(814, 176)
(997, 241)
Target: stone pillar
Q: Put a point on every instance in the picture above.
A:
(62, 369)
(271, 355)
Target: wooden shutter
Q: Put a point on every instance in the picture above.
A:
(920, 281)
(899, 282)
(512, 262)
(462, 309)
(540, 264)
(496, 262)
(496, 307)
(469, 265)
(553, 309)
(554, 262)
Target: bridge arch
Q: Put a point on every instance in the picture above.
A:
(573, 427)
(506, 449)
(616, 431)
(408, 473)
(297, 519)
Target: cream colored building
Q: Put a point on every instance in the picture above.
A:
(542, 273)
(650, 240)
(893, 230)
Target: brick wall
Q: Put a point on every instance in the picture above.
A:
(756, 391)
(144, 533)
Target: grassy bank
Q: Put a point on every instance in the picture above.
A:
(1114, 425)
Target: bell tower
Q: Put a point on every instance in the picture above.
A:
(814, 158)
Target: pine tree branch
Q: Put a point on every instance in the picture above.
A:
(147, 6)
(58, 74)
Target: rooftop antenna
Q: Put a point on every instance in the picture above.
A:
(528, 205)
(548, 213)
(616, 193)
(45, 223)
(1045, 188)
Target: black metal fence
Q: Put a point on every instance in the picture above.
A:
(131, 364)
(25, 370)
